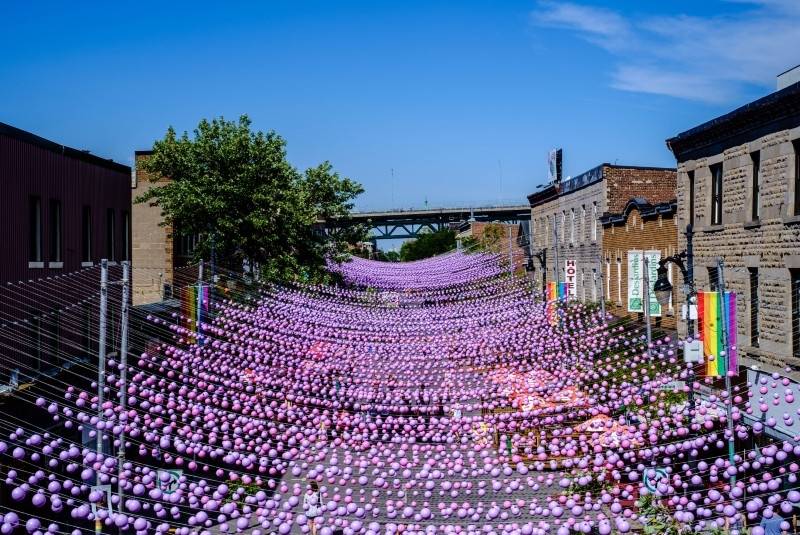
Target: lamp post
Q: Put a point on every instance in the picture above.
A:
(663, 290)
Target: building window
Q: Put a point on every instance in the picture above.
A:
(795, 278)
(572, 227)
(755, 158)
(713, 279)
(126, 235)
(110, 235)
(691, 198)
(795, 282)
(754, 327)
(619, 281)
(582, 234)
(607, 289)
(35, 229)
(55, 230)
(796, 145)
(716, 194)
(594, 221)
(547, 231)
(563, 225)
(594, 284)
(86, 234)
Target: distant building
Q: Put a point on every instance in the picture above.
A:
(498, 238)
(739, 189)
(62, 210)
(640, 227)
(565, 221)
(159, 253)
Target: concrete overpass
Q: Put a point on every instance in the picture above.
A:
(405, 224)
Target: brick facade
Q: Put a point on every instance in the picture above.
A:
(764, 249)
(565, 219)
(640, 226)
(152, 243)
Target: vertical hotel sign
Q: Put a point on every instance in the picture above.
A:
(571, 278)
(636, 280)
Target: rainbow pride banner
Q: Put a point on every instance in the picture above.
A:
(194, 306)
(556, 291)
(716, 320)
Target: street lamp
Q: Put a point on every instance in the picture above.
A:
(662, 287)
(663, 290)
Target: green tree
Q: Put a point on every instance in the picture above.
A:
(428, 244)
(235, 189)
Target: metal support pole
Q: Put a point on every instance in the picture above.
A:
(690, 294)
(510, 252)
(555, 249)
(101, 351)
(646, 303)
(728, 389)
(123, 382)
(602, 291)
(200, 271)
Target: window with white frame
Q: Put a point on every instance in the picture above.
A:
(594, 221)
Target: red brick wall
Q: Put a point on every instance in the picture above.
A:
(625, 183)
(637, 233)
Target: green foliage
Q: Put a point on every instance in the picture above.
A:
(493, 238)
(235, 189)
(428, 244)
(657, 519)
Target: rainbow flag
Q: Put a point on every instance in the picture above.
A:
(556, 290)
(194, 306)
(716, 320)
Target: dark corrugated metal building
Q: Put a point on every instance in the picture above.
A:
(61, 211)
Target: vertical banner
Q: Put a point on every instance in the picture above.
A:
(555, 292)
(636, 293)
(635, 277)
(653, 258)
(194, 306)
(571, 278)
(716, 320)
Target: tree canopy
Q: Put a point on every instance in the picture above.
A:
(428, 244)
(234, 188)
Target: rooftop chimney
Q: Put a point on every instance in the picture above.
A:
(792, 76)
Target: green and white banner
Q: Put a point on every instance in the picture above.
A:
(636, 280)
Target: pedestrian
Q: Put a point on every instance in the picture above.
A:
(312, 505)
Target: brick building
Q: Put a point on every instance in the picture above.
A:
(498, 239)
(158, 253)
(640, 226)
(739, 189)
(565, 219)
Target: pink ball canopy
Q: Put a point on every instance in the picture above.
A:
(425, 397)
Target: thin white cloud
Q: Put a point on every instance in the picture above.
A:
(598, 25)
(710, 59)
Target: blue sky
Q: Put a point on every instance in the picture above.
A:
(462, 99)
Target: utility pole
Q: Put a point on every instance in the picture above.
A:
(101, 351)
(690, 294)
(602, 289)
(123, 381)
(728, 389)
(646, 303)
(510, 252)
(555, 249)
